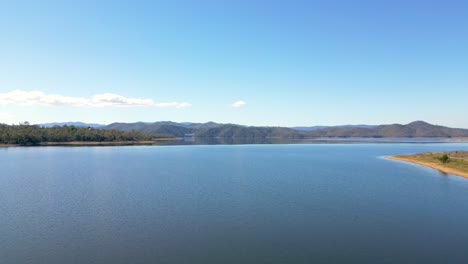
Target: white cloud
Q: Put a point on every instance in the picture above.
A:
(20, 97)
(173, 104)
(109, 99)
(238, 104)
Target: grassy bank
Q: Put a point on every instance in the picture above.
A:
(453, 162)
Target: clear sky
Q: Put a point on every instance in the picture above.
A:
(249, 62)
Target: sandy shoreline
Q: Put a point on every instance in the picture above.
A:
(435, 166)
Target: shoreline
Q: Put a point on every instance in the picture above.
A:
(95, 143)
(434, 166)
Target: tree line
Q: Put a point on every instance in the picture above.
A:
(25, 134)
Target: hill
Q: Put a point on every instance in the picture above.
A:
(209, 129)
(414, 129)
(231, 130)
(215, 130)
(75, 124)
(163, 127)
(310, 128)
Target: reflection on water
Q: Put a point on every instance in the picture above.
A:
(253, 140)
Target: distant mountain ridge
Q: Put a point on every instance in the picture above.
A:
(76, 124)
(414, 129)
(310, 128)
(216, 130)
(163, 127)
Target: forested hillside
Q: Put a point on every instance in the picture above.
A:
(237, 131)
(34, 135)
(163, 127)
(214, 130)
(411, 130)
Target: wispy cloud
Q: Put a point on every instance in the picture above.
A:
(238, 104)
(21, 97)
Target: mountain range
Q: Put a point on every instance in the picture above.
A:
(216, 130)
(310, 128)
(76, 124)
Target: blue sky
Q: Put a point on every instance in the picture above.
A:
(280, 62)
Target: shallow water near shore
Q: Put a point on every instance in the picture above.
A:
(294, 203)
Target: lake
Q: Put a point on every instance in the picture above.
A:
(286, 203)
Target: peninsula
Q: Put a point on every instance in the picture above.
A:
(453, 162)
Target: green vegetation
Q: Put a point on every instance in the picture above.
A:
(214, 130)
(26, 134)
(208, 130)
(237, 131)
(444, 158)
(453, 162)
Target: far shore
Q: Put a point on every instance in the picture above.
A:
(455, 168)
(96, 143)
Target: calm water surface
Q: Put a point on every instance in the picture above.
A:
(322, 203)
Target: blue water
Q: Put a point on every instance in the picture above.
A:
(311, 203)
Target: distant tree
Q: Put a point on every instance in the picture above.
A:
(444, 158)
